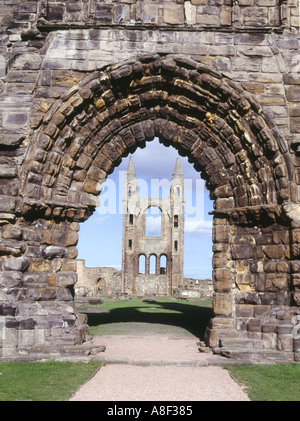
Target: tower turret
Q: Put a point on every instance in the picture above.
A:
(177, 215)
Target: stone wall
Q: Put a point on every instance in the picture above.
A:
(195, 13)
(195, 289)
(97, 281)
(84, 83)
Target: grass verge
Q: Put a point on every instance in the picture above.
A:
(43, 381)
(278, 382)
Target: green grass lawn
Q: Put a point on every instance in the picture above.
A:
(43, 381)
(278, 382)
(157, 316)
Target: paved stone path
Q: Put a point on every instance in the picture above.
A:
(159, 369)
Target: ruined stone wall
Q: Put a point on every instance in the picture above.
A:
(219, 82)
(195, 289)
(97, 281)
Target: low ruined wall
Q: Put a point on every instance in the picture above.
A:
(195, 288)
(97, 281)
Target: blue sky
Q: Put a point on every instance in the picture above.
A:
(100, 237)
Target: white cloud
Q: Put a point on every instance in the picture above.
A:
(198, 227)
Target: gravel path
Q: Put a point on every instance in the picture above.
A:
(158, 369)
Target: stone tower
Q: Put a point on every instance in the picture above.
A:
(153, 264)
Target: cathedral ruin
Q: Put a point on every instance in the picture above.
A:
(152, 261)
(141, 276)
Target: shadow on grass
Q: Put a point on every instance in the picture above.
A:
(193, 318)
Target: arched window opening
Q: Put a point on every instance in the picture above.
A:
(153, 222)
(163, 265)
(130, 191)
(177, 191)
(152, 264)
(142, 264)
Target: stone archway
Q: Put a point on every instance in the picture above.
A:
(226, 135)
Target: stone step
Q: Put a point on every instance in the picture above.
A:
(228, 333)
(82, 349)
(45, 350)
(85, 349)
(257, 355)
(64, 341)
(237, 342)
(82, 301)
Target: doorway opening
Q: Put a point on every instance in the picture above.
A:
(100, 239)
